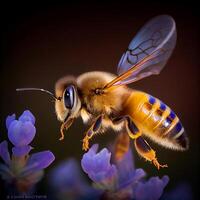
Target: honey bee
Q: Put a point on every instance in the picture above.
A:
(103, 100)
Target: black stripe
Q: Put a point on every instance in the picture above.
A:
(97, 124)
(172, 133)
(175, 130)
(182, 140)
(132, 127)
(142, 145)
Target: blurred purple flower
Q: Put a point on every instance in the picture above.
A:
(23, 170)
(181, 191)
(127, 174)
(151, 189)
(4, 152)
(128, 182)
(67, 183)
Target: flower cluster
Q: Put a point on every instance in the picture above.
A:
(22, 170)
(112, 178)
(110, 181)
(121, 181)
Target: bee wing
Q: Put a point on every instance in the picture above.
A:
(148, 52)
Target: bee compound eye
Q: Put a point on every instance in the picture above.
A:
(69, 97)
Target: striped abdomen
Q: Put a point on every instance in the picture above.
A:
(156, 120)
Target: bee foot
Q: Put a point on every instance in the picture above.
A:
(61, 138)
(158, 165)
(62, 135)
(85, 146)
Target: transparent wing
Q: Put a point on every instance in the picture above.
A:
(148, 52)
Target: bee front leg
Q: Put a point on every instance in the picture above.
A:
(144, 149)
(91, 132)
(65, 125)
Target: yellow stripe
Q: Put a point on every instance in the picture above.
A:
(174, 122)
(133, 135)
(165, 114)
(179, 133)
(140, 105)
(154, 108)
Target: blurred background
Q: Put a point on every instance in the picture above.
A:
(42, 42)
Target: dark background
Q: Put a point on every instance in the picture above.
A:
(42, 42)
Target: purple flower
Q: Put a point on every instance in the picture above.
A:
(181, 191)
(23, 170)
(39, 161)
(10, 119)
(4, 154)
(98, 167)
(27, 116)
(65, 175)
(127, 174)
(67, 182)
(21, 151)
(151, 189)
(127, 182)
(22, 131)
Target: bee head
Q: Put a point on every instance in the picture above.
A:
(68, 104)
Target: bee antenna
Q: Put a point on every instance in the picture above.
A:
(39, 89)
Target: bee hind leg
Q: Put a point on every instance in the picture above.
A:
(95, 127)
(141, 145)
(144, 149)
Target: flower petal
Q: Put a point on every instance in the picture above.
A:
(9, 120)
(104, 176)
(133, 178)
(5, 173)
(98, 167)
(152, 189)
(38, 161)
(27, 116)
(102, 160)
(66, 175)
(4, 153)
(125, 167)
(21, 133)
(22, 150)
(93, 150)
(87, 160)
